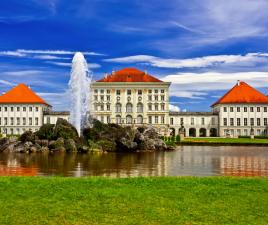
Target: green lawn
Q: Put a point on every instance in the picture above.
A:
(215, 200)
(226, 140)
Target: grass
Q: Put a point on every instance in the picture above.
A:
(246, 141)
(186, 200)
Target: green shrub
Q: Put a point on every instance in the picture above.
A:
(178, 138)
(243, 136)
(106, 145)
(261, 137)
(45, 132)
(27, 136)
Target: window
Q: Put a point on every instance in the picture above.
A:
(258, 121)
(251, 121)
(150, 97)
(162, 97)
(31, 109)
(139, 119)
(36, 121)
(245, 121)
(231, 121)
(108, 107)
(0, 109)
(150, 119)
(18, 121)
(102, 107)
(11, 121)
(102, 97)
(129, 108)
(128, 92)
(162, 120)
(96, 97)
(156, 97)
(245, 109)
(5, 109)
(18, 109)
(156, 107)
(36, 109)
(24, 121)
(224, 121)
(203, 121)
(102, 119)
(96, 91)
(192, 121)
(118, 108)
(150, 91)
(24, 109)
(108, 119)
(231, 109)
(108, 92)
(156, 91)
(258, 109)
(150, 107)
(171, 121)
(238, 122)
(11, 109)
(238, 109)
(265, 121)
(181, 121)
(102, 91)
(140, 108)
(224, 109)
(5, 120)
(129, 119)
(251, 109)
(139, 92)
(265, 109)
(118, 119)
(162, 91)
(162, 107)
(156, 119)
(117, 92)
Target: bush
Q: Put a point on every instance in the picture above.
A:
(178, 138)
(106, 145)
(27, 136)
(46, 132)
(243, 136)
(261, 137)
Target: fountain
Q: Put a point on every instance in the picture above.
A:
(79, 86)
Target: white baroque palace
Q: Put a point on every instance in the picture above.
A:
(133, 97)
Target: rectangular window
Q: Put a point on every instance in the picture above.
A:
(139, 92)
(11, 109)
(162, 97)
(36, 121)
(245, 121)
(128, 92)
(258, 121)
(156, 97)
(150, 91)
(5, 109)
(258, 109)
(231, 109)
(156, 91)
(224, 109)
(150, 107)
(30, 121)
(156, 119)
(108, 107)
(108, 119)
(18, 109)
(162, 91)
(117, 92)
(18, 121)
(108, 91)
(251, 109)
(224, 121)
(5, 120)
(96, 97)
(102, 98)
(192, 121)
(96, 91)
(150, 97)
(102, 119)
(102, 91)
(245, 109)
(265, 109)
(171, 121)
(102, 107)
(231, 121)
(24, 121)
(11, 121)
(265, 121)
(31, 109)
(238, 109)
(162, 119)
(162, 107)
(238, 122)
(150, 119)
(156, 107)
(24, 109)
(181, 121)
(36, 109)
(251, 121)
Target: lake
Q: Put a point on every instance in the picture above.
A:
(185, 161)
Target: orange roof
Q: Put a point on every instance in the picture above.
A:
(242, 93)
(129, 75)
(21, 94)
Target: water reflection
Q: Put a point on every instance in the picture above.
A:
(187, 160)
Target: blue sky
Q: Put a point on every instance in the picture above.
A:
(203, 47)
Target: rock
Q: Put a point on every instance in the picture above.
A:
(4, 144)
(58, 144)
(70, 145)
(43, 143)
(28, 136)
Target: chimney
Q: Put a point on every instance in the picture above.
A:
(146, 72)
(238, 82)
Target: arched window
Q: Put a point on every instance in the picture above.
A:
(140, 107)
(118, 108)
(129, 108)
(129, 119)
(139, 119)
(118, 119)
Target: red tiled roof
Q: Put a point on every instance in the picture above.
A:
(21, 94)
(242, 93)
(129, 75)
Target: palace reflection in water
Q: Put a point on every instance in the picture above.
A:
(185, 161)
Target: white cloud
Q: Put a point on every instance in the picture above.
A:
(49, 57)
(22, 73)
(174, 108)
(90, 65)
(55, 52)
(12, 53)
(199, 62)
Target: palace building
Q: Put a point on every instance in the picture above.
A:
(133, 97)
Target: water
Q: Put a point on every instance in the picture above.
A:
(185, 161)
(79, 86)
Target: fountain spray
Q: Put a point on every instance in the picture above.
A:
(79, 86)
